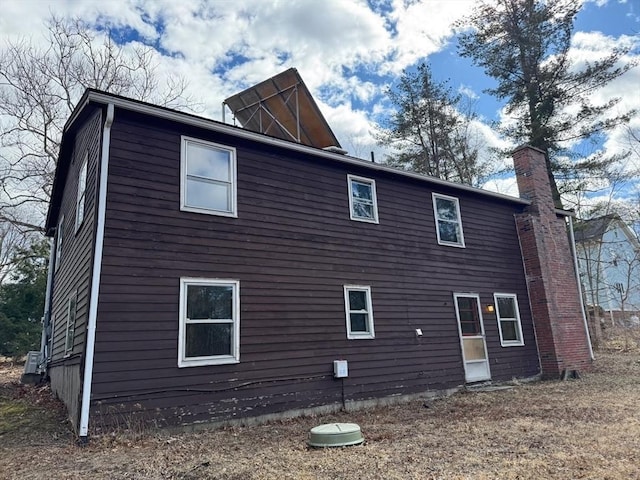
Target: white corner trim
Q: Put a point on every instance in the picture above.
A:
(97, 269)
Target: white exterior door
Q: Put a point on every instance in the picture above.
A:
(472, 340)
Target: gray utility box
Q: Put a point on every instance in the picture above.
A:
(30, 374)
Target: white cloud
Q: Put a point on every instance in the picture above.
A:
(346, 51)
(422, 28)
(468, 92)
(506, 186)
(353, 130)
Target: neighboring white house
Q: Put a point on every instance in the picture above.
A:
(609, 261)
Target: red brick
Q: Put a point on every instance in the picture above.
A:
(549, 267)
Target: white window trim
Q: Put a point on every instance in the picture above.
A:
(183, 177)
(217, 359)
(434, 196)
(68, 346)
(81, 193)
(374, 199)
(59, 242)
(359, 335)
(509, 343)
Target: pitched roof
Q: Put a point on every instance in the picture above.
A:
(594, 228)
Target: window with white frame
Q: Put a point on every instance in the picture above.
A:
(71, 324)
(362, 199)
(59, 242)
(508, 319)
(82, 188)
(209, 331)
(359, 311)
(208, 178)
(448, 223)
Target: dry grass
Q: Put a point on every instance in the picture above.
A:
(587, 428)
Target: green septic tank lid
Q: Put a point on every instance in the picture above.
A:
(335, 435)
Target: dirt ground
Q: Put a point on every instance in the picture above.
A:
(587, 428)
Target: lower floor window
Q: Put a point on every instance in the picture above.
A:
(508, 319)
(209, 332)
(357, 302)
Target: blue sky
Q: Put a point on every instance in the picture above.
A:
(347, 51)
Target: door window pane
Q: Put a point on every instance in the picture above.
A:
(473, 349)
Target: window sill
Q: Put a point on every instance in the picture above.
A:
(205, 211)
(355, 336)
(456, 245)
(366, 220)
(221, 360)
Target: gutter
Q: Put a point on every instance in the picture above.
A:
(575, 263)
(95, 281)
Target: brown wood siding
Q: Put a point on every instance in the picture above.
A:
(74, 272)
(292, 248)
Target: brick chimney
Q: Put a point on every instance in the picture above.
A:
(563, 341)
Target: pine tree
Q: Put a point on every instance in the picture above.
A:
(430, 131)
(524, 45)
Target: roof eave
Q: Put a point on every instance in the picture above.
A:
(181, 117)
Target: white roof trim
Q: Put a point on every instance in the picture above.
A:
(208, 124)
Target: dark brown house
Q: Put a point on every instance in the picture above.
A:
(204, 273)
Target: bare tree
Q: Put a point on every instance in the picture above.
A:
(39, 87)
(11, 239)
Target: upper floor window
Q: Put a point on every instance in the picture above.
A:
(82, 188)
(59, 242)
(362, 199)
(209, 330)
(508, 319)
(448, 223)
(208, 178)
(357, 302)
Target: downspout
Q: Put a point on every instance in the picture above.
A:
(95, 281)
(46, 316)
(575, 264)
